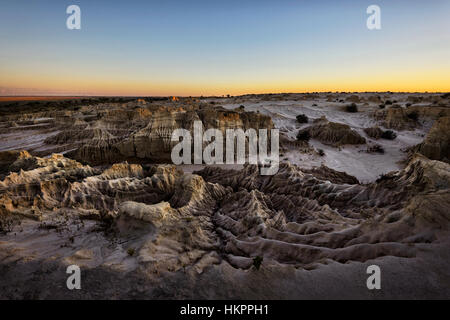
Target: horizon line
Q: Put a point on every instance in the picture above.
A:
(220, 96)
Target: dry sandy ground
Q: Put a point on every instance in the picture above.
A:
(351, 159)
(424, 277)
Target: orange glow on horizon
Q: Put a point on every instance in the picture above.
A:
(412, 81)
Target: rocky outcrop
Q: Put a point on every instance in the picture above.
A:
(436, 145)
(136, 131)
(162, 221)
(396, 117)
(334, 134)
(149, 138)
(327, 174)
(154, 141)
(241, 212)
(307, 219)
(374, 99)
(7, 158)
(374, 132)
(353, 98)
(408, 118)
(430, 112)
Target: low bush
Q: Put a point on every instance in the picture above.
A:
(352, 108)
(413, 115)
(303, 136)
(389, 135)
(257, 261)
(301, 118)
(375, 149)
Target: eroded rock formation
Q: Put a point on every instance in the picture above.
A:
(436, 145)
(199, 234)
(300, 217)
(108, 133)
(374, 132)
(396, 117)
(332, 133)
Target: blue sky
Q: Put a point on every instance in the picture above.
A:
(219, 47)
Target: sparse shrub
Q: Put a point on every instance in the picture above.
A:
(321, 152)
(257, 261)
(389, 135)
(301, 118)
(303, 136)
(382, 106)
(131, 252)
(413, 115)
(6, 225)
(47, 226)
(376, 148)
(352, 108)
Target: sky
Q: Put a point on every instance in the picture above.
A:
(199, 47)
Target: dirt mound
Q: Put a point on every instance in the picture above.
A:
(332, 133)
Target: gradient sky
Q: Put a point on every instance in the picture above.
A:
(195, 47)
